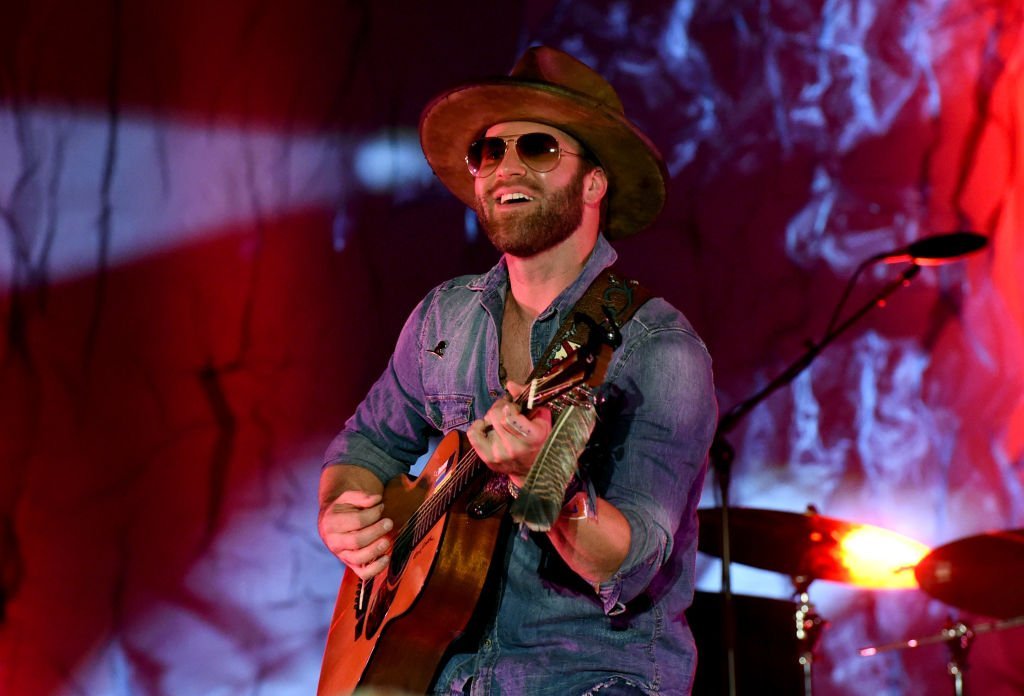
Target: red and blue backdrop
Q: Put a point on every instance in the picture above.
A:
(214, 218)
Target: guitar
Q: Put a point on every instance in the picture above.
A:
(393, 630)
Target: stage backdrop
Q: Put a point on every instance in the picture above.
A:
(215, 218)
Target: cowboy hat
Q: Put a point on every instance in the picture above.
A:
(553, 88)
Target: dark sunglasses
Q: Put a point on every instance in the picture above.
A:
(540, 152)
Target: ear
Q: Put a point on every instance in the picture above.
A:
(595, 186)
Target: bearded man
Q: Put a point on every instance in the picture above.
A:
(591, 600)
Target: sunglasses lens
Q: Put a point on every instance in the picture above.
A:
(485, 155)
(538, 151)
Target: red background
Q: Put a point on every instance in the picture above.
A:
(197, 287)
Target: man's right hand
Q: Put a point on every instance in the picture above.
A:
(354, 528)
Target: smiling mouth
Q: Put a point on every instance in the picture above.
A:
(513, 199)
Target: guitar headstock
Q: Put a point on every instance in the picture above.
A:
(584, 366)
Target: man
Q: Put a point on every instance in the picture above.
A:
(548, 161)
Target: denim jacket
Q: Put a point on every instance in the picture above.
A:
(552, 633)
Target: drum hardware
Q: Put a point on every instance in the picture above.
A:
(809, 625)
(958, 637)
(970, 574)
(807, 547)
(930, 251)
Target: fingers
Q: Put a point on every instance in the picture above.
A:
(354, 529)
(359, 499)
(364, 551)
(514, 423)
(507, 440)
(343, 516)
(490, 444)
(370, 570)
(533, 429)
(341, 532)
(514, 388)
(367, 561)
(477, 429)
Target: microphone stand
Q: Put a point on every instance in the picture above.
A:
(722, 452)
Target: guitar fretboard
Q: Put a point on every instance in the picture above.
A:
(436, 505)
(542, 390)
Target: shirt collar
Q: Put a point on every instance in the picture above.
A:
(601, 256)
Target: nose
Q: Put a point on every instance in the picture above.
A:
(510, 164)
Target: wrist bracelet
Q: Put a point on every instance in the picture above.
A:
(578, 508)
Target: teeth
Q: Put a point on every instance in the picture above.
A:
(506, 197)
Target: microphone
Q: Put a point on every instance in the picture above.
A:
(936, 250)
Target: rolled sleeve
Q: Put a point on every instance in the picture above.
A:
(389, 429)
(659, 450)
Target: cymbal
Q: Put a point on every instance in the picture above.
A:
(809, 546)
(979, 573)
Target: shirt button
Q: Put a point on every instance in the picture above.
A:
(494, 393)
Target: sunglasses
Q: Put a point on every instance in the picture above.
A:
(540, 152)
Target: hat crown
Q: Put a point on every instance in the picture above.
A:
(553, 67)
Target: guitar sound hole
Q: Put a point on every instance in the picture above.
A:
(399, 557)
(379, 610)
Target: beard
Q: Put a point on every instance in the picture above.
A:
(548, 224)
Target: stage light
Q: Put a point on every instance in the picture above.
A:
(879, 558)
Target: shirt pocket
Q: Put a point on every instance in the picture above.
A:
(449, 411)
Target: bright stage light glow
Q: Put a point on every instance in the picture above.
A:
(879, 558)
(391, 161)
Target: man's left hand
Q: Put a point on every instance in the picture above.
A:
(508, 440)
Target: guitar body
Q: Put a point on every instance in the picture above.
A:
(393, 631)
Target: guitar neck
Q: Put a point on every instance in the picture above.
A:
(562, 378)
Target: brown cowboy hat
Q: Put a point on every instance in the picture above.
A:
(553, 88)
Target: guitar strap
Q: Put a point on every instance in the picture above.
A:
(609, 302)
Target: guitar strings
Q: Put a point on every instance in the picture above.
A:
(417, 527)
(427, 515)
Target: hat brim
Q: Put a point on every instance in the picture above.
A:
(633, 165)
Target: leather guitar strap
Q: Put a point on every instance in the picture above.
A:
(611, 298)
(609, 302)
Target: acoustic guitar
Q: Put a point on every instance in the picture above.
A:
(394, 630)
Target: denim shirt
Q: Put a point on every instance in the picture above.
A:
(553, 633)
